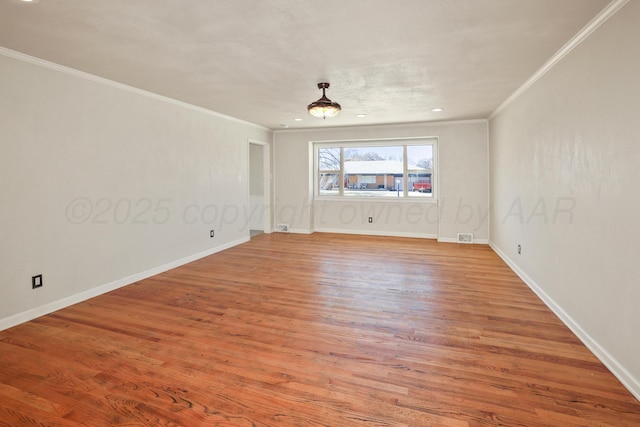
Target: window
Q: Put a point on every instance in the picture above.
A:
(329, 167)
(388, 169)
(419, 170)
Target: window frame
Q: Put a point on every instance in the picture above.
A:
(391, 142)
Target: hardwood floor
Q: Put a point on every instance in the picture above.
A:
(320, 330)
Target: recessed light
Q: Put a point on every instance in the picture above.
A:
(361, 115)
(297, 120)
(284, 125)
(437, 110)
(30, 1)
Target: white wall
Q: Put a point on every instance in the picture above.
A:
(565, 158)
(256, 169)
(462, 184)
(102, 185)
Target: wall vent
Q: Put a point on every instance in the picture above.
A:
(465, 237)
(282, 228)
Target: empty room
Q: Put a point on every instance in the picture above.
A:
(345, 213)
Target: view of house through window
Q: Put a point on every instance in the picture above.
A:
(393, 170)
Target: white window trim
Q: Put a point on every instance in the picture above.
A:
(383, 142)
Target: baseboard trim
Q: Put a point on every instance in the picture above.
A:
(624, 376)
(377, 233)
(28, 315)
(454, 240)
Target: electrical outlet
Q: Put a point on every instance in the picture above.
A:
(370, 219)
(519, 250)
(212, 233)
(36, 281)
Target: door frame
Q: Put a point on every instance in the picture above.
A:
(266, 179)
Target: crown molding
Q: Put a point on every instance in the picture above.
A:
(403, 125)
(606, 13)
(101, 80)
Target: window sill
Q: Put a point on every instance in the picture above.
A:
(343, 199)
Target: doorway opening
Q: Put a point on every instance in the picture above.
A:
(259, 189)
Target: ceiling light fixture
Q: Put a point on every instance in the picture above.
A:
(324, 107)
(437, 110)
